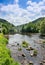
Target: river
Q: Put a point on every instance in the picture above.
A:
(32, 40)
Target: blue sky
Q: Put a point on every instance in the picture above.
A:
(21, 11)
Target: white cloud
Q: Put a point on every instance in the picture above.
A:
(36, 7)
(16, 1)
(43, 0)
(31, 3)
(16, 15)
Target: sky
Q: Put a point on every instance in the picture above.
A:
(21, 11)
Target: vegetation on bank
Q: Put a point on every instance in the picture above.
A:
(7, 28)
(42, 27)
(5, 57)
(36, 26)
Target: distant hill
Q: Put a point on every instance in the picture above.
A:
(7, 27)
(39, 20)
(34, 24)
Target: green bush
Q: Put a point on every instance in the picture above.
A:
(42, 28)
(35, 53)
(24, 44)
(5, 57)
(3, 40)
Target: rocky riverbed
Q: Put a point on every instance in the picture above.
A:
(24, 56)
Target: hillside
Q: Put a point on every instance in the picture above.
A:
(7, 27)
(32, 27)
(39, 20)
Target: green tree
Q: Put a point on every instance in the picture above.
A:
(42, 27)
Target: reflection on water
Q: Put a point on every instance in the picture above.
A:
(17, 39)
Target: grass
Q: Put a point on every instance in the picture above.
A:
(35, 53)
(24, 44)
(20, 49)
(3, 40)
(5, 57)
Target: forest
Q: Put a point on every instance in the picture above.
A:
(36, 26)
(7, 28)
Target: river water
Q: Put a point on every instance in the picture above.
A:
(33, 42)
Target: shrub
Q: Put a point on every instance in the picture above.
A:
(5, 58)
(35, 53)
(24, 44)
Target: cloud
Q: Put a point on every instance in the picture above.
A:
(16, 15)
(37, 8)
(16, 1)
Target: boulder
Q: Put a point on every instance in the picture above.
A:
(31, 54)
(31, 48)
(23, 55)
(30, 63)
(41, 63)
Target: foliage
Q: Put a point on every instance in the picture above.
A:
(35, 26)
(35, 53)
(24, 44)
(7, 27)
(3, 40)
(5, 57)
(42, 27)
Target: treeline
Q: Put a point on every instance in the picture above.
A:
(7, 28)
(37, 26)
(30, 28)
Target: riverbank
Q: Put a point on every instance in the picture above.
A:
(29, 34)
(5, 56)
